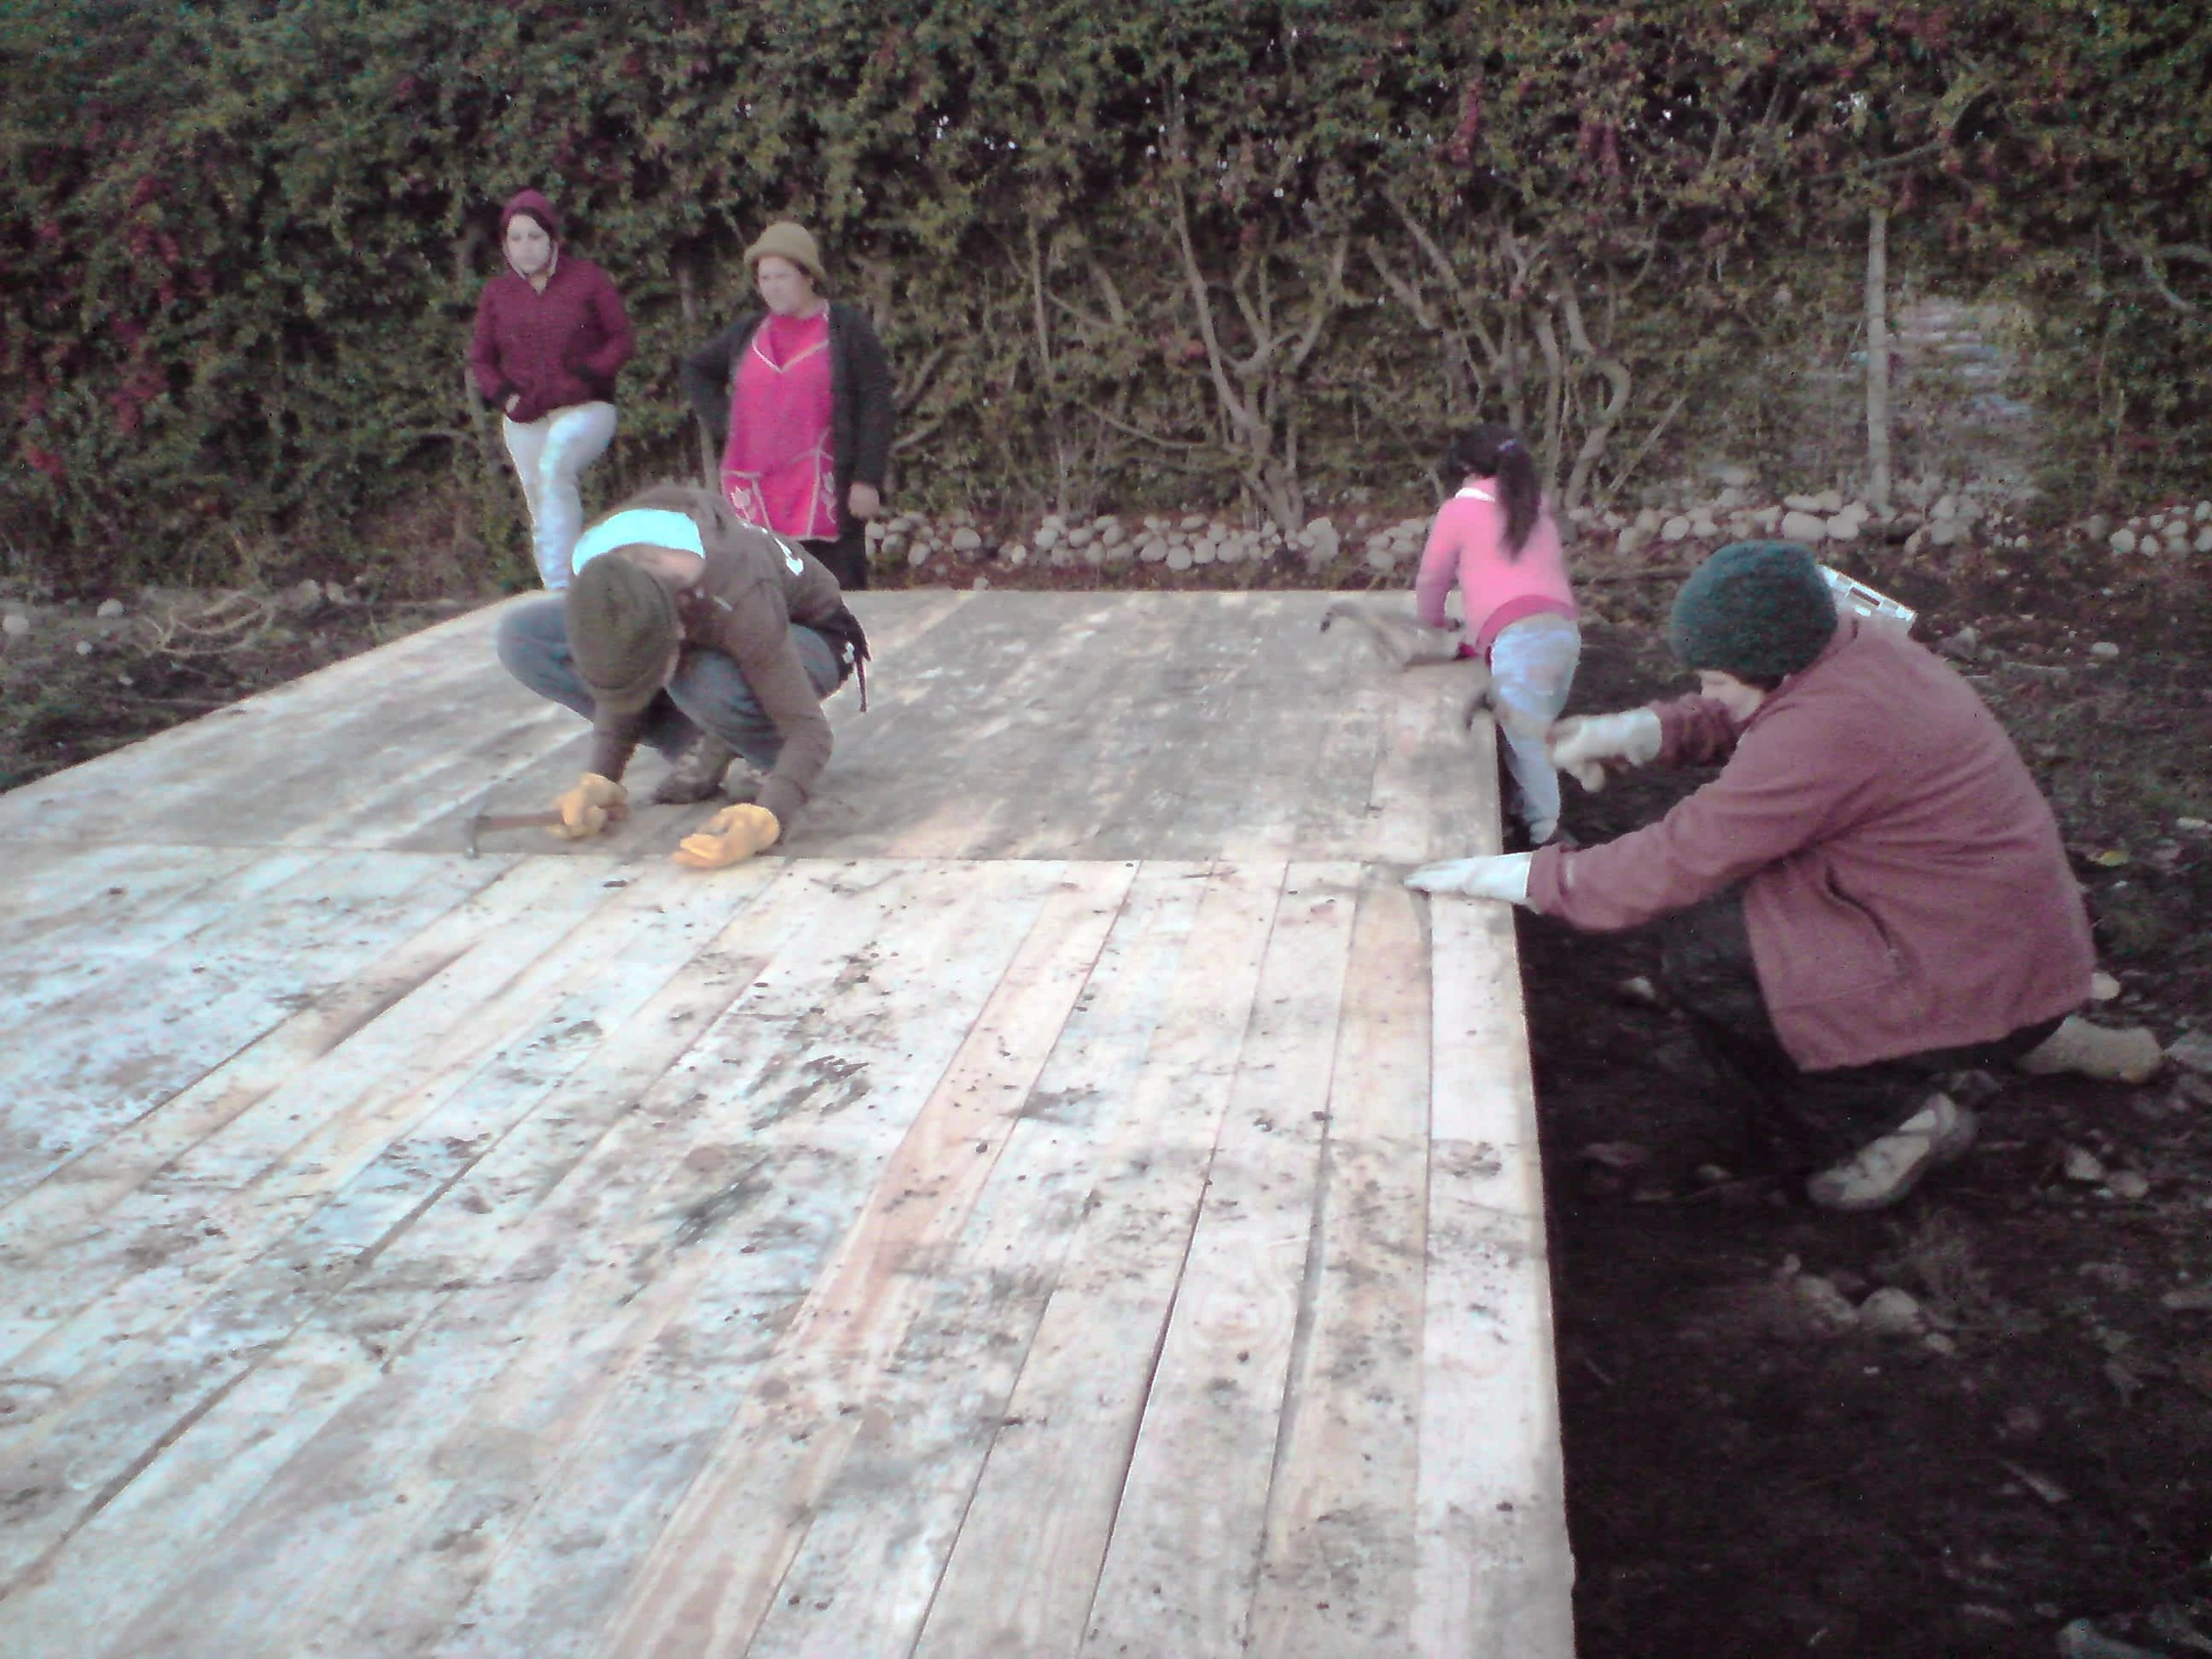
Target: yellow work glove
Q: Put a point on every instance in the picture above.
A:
(590, 807)
(732, 835)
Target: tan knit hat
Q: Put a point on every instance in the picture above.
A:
(622, 628)
(787, 241)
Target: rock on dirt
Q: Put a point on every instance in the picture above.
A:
(1892, 1312)
(2191, 1052)
(1826, 1311)
(2084, 1166)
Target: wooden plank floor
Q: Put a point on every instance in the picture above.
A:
(1071, 1200)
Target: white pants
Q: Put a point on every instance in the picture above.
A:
(1532, 669)
(550, 453)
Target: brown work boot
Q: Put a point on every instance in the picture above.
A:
(698, 775)
(1882, 1172)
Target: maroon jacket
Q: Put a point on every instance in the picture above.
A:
(1905, 886)
(555, 348)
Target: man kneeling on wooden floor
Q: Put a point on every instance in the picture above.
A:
(707, 639)
(1872, 896)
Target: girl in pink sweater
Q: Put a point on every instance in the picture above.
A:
(1497, 541)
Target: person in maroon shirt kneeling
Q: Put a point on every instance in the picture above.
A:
(1871, 895)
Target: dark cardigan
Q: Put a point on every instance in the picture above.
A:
(859, 396)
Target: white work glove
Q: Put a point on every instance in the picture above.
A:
(1503, 877)
(1584, 744)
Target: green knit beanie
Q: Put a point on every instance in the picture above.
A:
(1760, 611)
(622, 631)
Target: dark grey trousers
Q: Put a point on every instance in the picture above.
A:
(847, 556)
(1705, 963)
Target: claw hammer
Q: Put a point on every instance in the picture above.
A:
(482, 820)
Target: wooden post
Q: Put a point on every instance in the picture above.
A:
(687, 304)
(1877, 374)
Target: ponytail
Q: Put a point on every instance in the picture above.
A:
(1493, 452)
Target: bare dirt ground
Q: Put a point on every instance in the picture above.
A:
(1751, 1470)
(1747, 1474)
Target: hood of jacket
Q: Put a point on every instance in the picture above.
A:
(533, 203)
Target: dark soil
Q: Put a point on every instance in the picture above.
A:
(79, 685)
(1741, 1483)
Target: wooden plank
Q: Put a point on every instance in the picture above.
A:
(1320, 763)
(1226, 749)
(1021, 1573)
(1338, 1577)
(708, 1582)
(128, 1035)
(408, 1319)
(897, 620)
(208, 1208)
(1435, 792)
(1495, 1565)
(879, 1536)
(1025, 725)
(118, 944)
(792, 1187)
(484, 1258)
(57, 889)
(948, 762)
(540, 1588)
(122, 1373)
(1180, 1571)
(534, 1364)
(52, 1214)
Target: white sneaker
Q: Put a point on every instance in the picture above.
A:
(2126, 1056)
(1883, 1171)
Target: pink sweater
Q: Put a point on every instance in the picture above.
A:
(1466, 544)
(1904, 883)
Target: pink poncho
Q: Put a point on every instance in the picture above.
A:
(778, 470)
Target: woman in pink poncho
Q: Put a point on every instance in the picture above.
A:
(797, 400)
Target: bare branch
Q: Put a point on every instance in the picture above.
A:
(1115, 308)
(1325, 305)
(1036, 292)
(1600, 432)
(1628, 468)
(1555, 378)
(1232, 406)
(916, 385)
(1119, 425)
(1405, 294)
(1453, 286)
(1257, 320)
(2156, 276)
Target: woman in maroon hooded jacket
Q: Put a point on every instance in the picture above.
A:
(550, 336)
